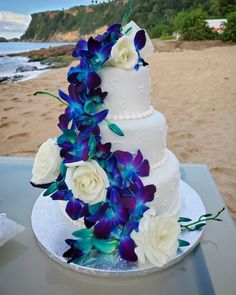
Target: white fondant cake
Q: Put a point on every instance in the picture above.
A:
(144, 128)
(112, 173)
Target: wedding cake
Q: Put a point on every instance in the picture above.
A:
(110, 169)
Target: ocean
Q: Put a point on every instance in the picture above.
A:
(8, 65)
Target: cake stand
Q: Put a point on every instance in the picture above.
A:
(51, 229)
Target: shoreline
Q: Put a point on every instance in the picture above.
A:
(60, 56)
(38, 61)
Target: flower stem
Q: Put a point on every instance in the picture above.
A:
(127, 14)
(107, 121)
(201, 220)
(52, 95)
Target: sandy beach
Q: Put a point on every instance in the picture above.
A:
(195, 89)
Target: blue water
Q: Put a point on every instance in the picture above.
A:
(8, 65)
(16, 47)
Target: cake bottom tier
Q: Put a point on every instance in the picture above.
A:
(166, 179)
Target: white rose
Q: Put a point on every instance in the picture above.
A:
(47, 163)
(157, 238)
(87, 180)
(148, 49)
(124, 54)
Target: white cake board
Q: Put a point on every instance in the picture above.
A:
(51, 229)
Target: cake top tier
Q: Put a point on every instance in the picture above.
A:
(115, 62)
(128, 92)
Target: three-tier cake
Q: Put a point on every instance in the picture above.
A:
(110, 169)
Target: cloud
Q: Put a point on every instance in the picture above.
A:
(13, 24)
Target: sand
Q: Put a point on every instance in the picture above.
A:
(195, 89)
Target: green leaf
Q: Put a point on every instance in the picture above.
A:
(128, 30)
(92, 146)
(51, 189)
(184, 219)
(63, 169)
(199, 226)
(218, 219)
(114, 128)
(84, 245)
(183, 243)
(94, 208)
(105, 246)
(84, 233)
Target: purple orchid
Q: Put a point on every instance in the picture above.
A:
(73, 252)
(74, 109)
(135, 197)
(94, 99)
(139, 43)
(103, 151)
(96, 53)
(113, 172)
(112, 34)
(132, 166)
(95, 215)
(114, 216)
(71, 149)
(91, 119)
(81, 45)
(84, 76)
(75, 208)
(126, 249)
(140, 40)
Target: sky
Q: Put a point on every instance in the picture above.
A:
(15, 14)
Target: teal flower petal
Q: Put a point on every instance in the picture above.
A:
(52, 188)
(105, 246)
(114, 128)
(83, 245)
(84, 233)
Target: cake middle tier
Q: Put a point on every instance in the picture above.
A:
(147, 135)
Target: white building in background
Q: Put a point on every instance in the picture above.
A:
(217, 25)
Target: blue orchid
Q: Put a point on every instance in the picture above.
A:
(91, 119)
(112, 34)
(81, 45)
(115, 215)
(73, 252)
(113, 172)
(135, 197)
(74, 109)
(94, 99)
(97, 50)
(75, 208)
(103, 151)
(126, 249)
(96, 53)
(84, 76)
(139, 43)
(131, 166)
(73, 150)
